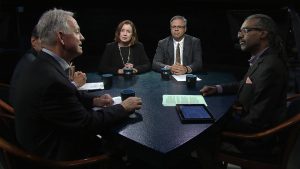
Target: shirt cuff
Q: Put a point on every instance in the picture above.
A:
(219, 88)
(75, 84)
(189, 69)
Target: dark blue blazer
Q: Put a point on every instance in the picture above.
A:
(53, 117)
(262, 92)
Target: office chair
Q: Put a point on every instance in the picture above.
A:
(4, 91)
(11, 153)
(288, 131)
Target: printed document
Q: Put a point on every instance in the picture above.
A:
(92, 86)
(172, 100)
(183, 77)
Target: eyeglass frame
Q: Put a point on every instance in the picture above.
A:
(178, 27)
(247, 30)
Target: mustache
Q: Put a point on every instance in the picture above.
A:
(237, 46)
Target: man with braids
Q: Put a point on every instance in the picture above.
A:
(261, 94)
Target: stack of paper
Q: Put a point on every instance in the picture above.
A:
(183, 77)
(117, 100)
(92, 86)
(172, 100)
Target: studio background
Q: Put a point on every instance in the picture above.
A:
(216, 23)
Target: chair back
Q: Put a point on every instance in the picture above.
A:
(287, 133)
(4, 92)
(12, 156)
(7, 132)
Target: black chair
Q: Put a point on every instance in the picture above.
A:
(4, 91)
(288, 132)
(11, 153)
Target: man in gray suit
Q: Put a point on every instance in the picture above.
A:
(53, 119)
(261, 94)
(180, 52)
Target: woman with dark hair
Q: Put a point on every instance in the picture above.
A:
(125, 52)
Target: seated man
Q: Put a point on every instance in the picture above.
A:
(24, 62)
(262, 91)
(180, 52)
(78, 77)
(53, 119)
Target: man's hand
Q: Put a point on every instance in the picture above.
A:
(128, 65)
(103, 101)
(208, 90)
(79, 78)
(132, 103)
(178, 69)
(120, 71)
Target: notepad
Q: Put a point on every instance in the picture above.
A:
(92, 86)
(172, 100)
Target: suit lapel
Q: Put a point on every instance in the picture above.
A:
(171, 51)
(54, 63)
(186, 49)
(251, 70)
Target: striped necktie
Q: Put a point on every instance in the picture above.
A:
(178, 54)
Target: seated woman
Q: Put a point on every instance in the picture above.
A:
(125, 51)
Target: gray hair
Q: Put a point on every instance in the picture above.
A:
(179, 17)
(51, 22)
(275, 41)
(267, 23)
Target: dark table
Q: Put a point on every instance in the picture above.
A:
(157, 135)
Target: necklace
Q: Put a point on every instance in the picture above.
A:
(128, 57)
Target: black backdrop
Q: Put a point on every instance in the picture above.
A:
(215, 22)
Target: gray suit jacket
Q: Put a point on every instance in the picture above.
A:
(192, 53)
(53, 118)
(262, 93)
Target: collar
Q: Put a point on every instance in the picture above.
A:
(254, 58)
(60, 60)
(180, 42)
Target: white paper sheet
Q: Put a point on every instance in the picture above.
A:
(92, 86)
(172, 100)
(183, 77)
(117, 100)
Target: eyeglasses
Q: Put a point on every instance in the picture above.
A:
(178, 27)
(247, 30)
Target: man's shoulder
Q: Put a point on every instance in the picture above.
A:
(165, 40)
(192, 38)
(272, 55)
(29, 56)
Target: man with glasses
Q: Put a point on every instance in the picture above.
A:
(180, 52)
(262, 92)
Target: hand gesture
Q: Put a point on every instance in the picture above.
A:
(208, 90)
(103, 101)
(128, 65)
(132, 103)
(79, 78)
(178, 69)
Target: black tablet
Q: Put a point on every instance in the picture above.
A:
(194, 113)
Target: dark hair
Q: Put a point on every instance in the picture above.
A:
(267, 23)
(34, 32)
(179, 17)
(134, 37)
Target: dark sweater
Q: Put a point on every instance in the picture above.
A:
(111, 59)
